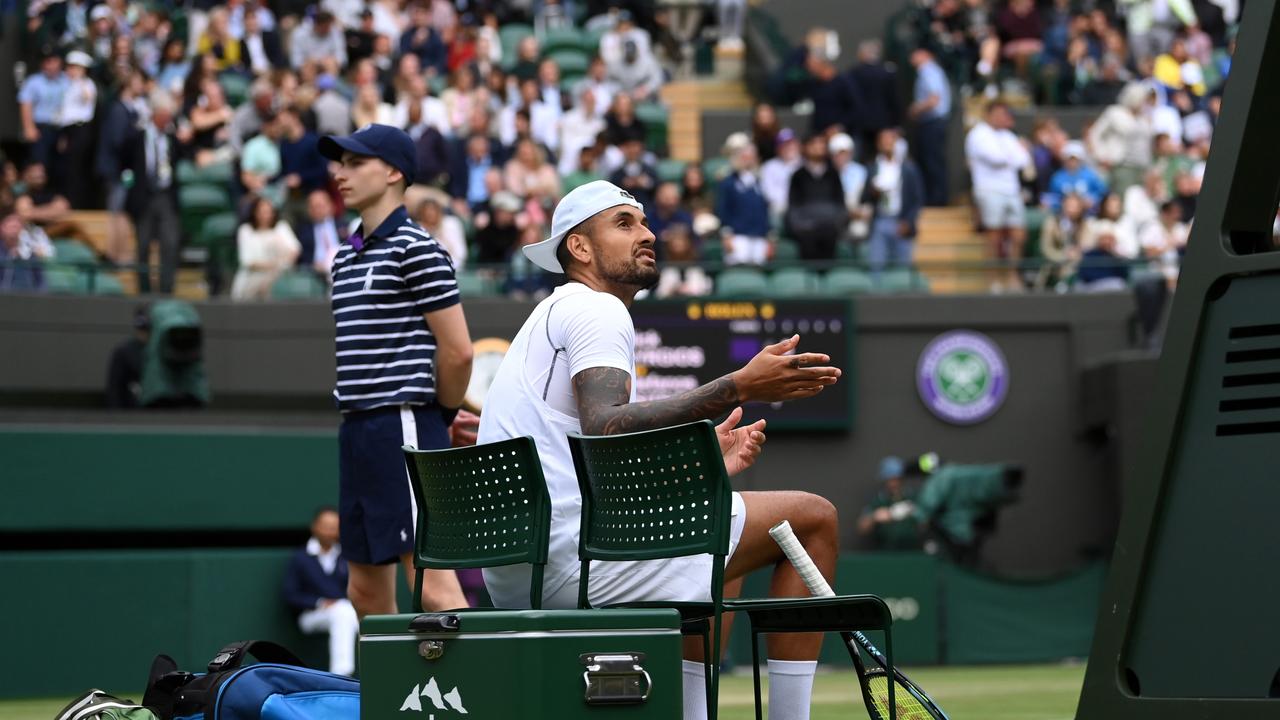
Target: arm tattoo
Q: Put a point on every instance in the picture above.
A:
(604, 408)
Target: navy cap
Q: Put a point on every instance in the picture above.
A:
(389, 144)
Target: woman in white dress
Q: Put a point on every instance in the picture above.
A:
(267, 248)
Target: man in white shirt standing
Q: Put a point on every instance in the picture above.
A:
(775, 174)
(996, 156)
(571, 368)
(78, 104)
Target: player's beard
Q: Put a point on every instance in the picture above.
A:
(631, 272)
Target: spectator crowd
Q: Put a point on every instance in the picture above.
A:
(125, 104)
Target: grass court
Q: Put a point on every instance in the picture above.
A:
(1021, 692)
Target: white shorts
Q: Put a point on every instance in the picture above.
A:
(998, 210)
(681, 579)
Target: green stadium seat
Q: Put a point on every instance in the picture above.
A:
(715, 169)
(671, 170)
(105, 283)
(741, 281)
(1034, 219)
(570, 60)
(846, 251)
(510, 36)
(73, 252)
(562, 38)
(472, 283)
(655, 118)
(591, 40)
(66, 279)
(218, 174)
(235, 87)
(712, 251)
(198, 202)
(219, 228)
(298, 285)
(846, 281)
(902, 280)
(786, 252)
(790, 282)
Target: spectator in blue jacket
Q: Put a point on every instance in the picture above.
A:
(743, 211)
(421, 39)
(315, 588)
(895, 190)
(302, 166)
(1075, 177)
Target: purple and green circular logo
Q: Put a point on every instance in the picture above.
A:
(962, 377)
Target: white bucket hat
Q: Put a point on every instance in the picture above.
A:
(580, 204)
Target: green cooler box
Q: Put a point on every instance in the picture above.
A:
(500, 664)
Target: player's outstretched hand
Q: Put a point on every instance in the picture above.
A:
(739, 445)
(462, 433)
(774, 375)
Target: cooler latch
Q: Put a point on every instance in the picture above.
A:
(615, 678)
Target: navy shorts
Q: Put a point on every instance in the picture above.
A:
(375, 502)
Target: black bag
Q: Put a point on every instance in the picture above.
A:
(229, 690)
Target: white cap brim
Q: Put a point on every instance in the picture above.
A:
(543, 254)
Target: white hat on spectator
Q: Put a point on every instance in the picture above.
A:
(840, 142)
(79, 57)
(735, 142)
(579, 205)
(1192, 74)
(1074, 149)
(99, 12)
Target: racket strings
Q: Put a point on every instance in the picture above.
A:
(909, 708)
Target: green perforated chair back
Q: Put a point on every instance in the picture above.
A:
(655, 494)
(480, 506)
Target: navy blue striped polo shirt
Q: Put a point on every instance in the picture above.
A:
(385, 350)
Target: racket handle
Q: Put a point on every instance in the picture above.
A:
(795, 552)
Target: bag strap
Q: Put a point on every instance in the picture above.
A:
(163, 683)
(87, 699)
(232, 656)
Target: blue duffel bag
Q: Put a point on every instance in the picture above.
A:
(278, 687)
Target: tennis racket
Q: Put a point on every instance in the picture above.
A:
(912, 702)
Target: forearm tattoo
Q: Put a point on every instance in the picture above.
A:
(603, 407)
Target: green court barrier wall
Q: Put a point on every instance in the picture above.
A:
(943, 614)
(75, 620)
(997, 621)
(907, 581)
(196, 479)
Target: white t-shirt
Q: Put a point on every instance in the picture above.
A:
(573, 329)
(995, 158)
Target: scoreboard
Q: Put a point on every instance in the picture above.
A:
(682, 344)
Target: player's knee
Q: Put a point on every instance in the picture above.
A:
(824, 519)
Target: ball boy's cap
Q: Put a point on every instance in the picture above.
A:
(580, 204)
(389, 144)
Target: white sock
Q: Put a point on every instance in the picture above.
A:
(695, 690)
(790, 686)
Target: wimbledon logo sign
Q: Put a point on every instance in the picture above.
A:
(962, 377)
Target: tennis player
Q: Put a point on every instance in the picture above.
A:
(404, 360)
(571, 368)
